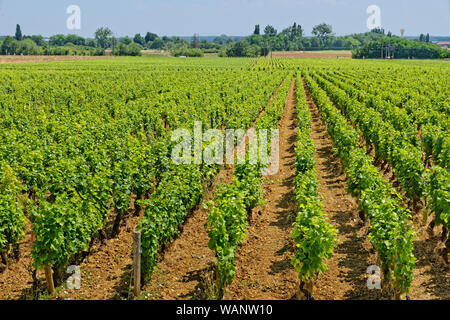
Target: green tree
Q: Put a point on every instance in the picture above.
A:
(126, 40)
(75, 39)
(28, 47)
(427, 38)
(378, 30)
(8, 46)
(102, 35)
(257, 30)
(317, 43)
(132, 49)
(39, 40)
(58, 40)
(150, 37)
(270, 31)
(256, 40)
(297, 31)
(18, 36)
(157, 44)
(222, 39)
(243, 49)
(91, 43)
(139, 39)
(323, 31)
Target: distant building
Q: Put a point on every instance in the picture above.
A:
(444, 44)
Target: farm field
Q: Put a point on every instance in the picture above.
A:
(86, 158)
(28, 59)
(328, 54)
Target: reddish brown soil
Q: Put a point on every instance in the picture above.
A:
(346, 277)
(431, 275)
(25, 59)
(311, 54)
(106, 272)
(263, 268)
(16, 280)
(187, 260)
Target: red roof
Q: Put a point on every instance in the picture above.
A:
(443, 42)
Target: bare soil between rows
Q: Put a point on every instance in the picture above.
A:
(263, 268)
(346, 277)
(431, 275)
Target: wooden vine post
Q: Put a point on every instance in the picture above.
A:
(49, 279)
(137, 263)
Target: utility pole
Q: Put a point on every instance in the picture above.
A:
(114, 46)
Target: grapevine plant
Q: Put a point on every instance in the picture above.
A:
(313, 234)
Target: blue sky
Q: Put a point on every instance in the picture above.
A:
(214, 17)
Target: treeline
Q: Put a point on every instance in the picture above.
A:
(104, 40)
(293, 39)
(374, 44)
(58, 45)
(399, 48)
(260, 43)
(11, 46)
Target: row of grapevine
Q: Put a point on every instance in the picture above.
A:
(233, 203)
(313, 234)
(433, 123)
(393, 146)
(12, 218)
(228, 219)
(81, 145)
(395, 116)
(390, 230)
(167, 209)
(390, 145)
(405, 89)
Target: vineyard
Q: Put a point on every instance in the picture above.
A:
(363, 183)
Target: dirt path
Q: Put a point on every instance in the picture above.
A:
(431, 275)
(346, 277)
(263, 269)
